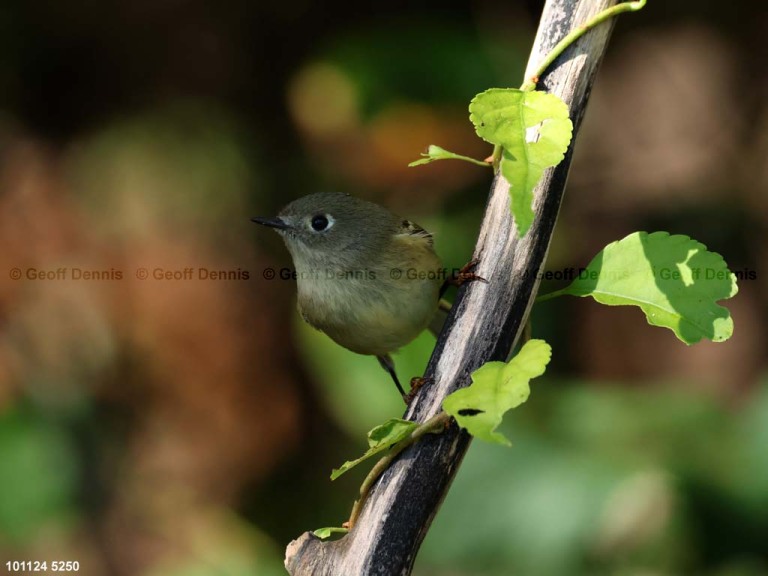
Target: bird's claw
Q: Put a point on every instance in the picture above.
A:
(416, 384)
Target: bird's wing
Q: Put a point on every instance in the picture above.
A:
(415, 232)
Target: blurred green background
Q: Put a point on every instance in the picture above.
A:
(188, 427)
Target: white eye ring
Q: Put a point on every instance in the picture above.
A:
(321, 222)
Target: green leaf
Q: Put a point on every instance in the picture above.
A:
(436, 153)
(327, 532)
(674, 280)
(533, 130)
(380, 439)
(497, 387)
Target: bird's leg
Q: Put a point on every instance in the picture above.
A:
(389, 365)
(462, 276)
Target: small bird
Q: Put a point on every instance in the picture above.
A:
(367, 278)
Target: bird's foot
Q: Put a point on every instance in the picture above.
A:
(464, 275)
(416, 384)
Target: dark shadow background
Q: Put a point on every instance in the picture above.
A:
(188, 425)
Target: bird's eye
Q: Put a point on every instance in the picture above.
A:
(321, 222)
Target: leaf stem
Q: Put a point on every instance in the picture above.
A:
(560, 47)
(455, 156)
(496, 158)
(437, 153)
(551, 295)
(434, 424)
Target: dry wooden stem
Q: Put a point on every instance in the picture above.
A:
(484, 324)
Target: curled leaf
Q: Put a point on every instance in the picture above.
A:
(324, 533)
(380, 439)
(436, 153)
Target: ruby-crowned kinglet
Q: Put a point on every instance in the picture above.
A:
(367, 278)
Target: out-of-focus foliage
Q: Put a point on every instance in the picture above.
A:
(39, 472)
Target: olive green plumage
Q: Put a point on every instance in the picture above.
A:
(367, 278)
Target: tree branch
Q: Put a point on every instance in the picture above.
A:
(484, 324)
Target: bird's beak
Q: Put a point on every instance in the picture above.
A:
(271, 222)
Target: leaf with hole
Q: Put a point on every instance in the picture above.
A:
(533, 130)
(496, 388)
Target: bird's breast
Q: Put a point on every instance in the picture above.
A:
(370, 311)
